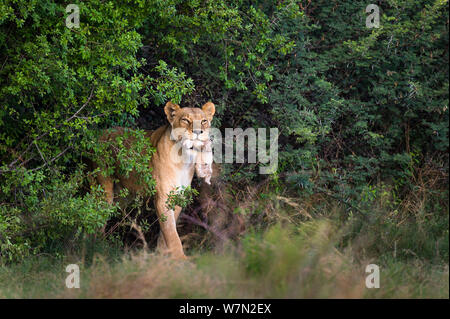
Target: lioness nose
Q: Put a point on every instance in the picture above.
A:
(198, 132)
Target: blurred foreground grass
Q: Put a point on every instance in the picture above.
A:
(283, 262)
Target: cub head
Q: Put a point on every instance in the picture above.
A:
(190, 125)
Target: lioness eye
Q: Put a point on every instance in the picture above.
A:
(185, 121)
(204, 122)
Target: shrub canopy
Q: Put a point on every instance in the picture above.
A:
(354, 105)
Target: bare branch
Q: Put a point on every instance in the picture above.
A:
(46, 133)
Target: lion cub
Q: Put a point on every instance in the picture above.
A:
(203, 166)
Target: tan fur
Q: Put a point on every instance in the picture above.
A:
(169, 172)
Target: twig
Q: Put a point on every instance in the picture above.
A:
(40, 153)
(324, 191)
(204, 225)
(45, 133)
(52, 160)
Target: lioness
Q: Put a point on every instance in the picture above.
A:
(173, 163)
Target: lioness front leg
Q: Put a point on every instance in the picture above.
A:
(108, 186)
(170, 242)
(161, 242)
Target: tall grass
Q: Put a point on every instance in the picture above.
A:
(284, 262)
(260, 243)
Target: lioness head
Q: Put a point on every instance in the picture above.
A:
(190, 125)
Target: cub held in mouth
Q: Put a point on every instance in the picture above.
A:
(178, 149)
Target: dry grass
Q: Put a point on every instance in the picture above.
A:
(299, 255)
(286, 262)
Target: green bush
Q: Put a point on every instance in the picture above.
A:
(356, 107)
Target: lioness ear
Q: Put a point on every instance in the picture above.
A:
(170, 109)
(209, 110)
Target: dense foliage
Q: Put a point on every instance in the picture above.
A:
(362, 112)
